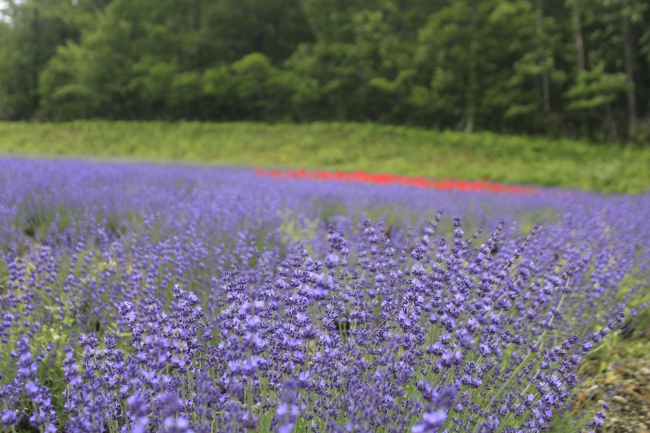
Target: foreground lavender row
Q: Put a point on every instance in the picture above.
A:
(141, 298)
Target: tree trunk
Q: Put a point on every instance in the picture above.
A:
(545, 82)
(629, 73)
(578, 35)
(36, 60)
(473, 79)
(613, 133)
(309, 18)
(469, 126)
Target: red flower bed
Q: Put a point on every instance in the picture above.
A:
(386, 179)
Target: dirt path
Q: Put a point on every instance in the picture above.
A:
(625, 387)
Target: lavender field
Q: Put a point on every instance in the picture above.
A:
(158, 298)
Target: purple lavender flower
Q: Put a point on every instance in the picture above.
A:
(431, 422)
(186, 299)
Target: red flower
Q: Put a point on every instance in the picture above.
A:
(387, 179)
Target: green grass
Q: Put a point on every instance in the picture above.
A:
(344, 146)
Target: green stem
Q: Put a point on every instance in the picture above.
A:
(523, 363)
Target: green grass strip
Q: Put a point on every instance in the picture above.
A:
(344, 146)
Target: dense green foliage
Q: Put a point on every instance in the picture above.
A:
(577, 68)
(341, 146)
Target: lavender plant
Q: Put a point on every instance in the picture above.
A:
(142, 298)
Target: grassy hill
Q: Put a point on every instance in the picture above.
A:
(344, 146)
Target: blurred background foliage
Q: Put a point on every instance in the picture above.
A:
(562, 68)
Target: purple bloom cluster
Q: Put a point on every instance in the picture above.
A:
(142, 298)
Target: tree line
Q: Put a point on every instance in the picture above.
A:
(574, 68)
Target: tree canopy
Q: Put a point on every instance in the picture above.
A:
(576, 68)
